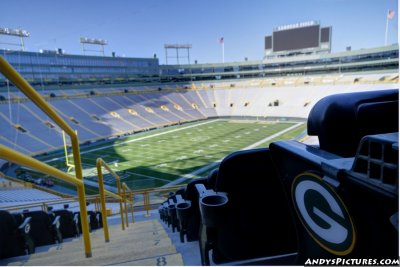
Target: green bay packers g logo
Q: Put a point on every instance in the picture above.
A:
(323, 214)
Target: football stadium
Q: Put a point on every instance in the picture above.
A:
(287, 160)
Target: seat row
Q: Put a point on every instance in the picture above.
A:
(21, 233)
(291, 202)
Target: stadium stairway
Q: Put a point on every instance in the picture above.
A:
(142, 243)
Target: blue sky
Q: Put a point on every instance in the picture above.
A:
(140, 28)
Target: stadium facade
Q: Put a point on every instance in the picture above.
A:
(52, 70)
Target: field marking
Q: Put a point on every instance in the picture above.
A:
(194, 173)
(161, 165)
(215, 163)
(272, 136)
(135, 140)
(146, 176)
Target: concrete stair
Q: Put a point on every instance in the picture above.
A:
(142, 243)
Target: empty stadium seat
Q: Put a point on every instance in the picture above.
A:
(183, 212)
(78, 214)
(15, 237)
(94, 223)
(99, 218)
(162, 209)
(45, 228)
(341, 120)
(173, 219)
(257, 209)
(345, 206)
(191, 194)
(68, 223)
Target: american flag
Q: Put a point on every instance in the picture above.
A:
(221, 41)
(390, 14)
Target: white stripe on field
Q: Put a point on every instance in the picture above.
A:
(138, 139)
(215, 163)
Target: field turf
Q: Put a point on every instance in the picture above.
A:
(178, 153)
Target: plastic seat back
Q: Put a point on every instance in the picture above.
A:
(340, 121)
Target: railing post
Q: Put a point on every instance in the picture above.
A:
(101, 163)
(125, 207)
(146, 202)
(121, 209)
(81, 195)
(103, 201)
(131, 196)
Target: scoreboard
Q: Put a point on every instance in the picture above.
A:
(298, 38)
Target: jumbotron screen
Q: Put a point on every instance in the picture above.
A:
(296, 39)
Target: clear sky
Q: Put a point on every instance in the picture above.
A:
(140, 28)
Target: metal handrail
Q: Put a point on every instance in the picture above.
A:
(101, 163)
(125, 187)
(103, 192)
(14, 77)
(146, 195)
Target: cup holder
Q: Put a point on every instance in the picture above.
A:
(214, 200)
(183, 210)
(212, 209)
(172, 210)
(183, 205)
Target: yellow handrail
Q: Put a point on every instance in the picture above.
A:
(146, 203)
(100, 163)
(125, 208)
(130, 201)
(103, 192)
(14, 77)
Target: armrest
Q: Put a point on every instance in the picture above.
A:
(201, 189)
(179, 199)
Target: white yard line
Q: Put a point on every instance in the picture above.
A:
(146, 176)
(215, 163)
(138, 139)
(272, 136)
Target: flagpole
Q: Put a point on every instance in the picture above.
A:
(223, 52)
(387, 26)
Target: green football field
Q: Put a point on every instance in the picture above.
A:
(174, 155)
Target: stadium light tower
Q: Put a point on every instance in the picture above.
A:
(17, 33)
(92, 41)
(177, 47)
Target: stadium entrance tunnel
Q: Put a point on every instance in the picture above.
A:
(291, 202)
